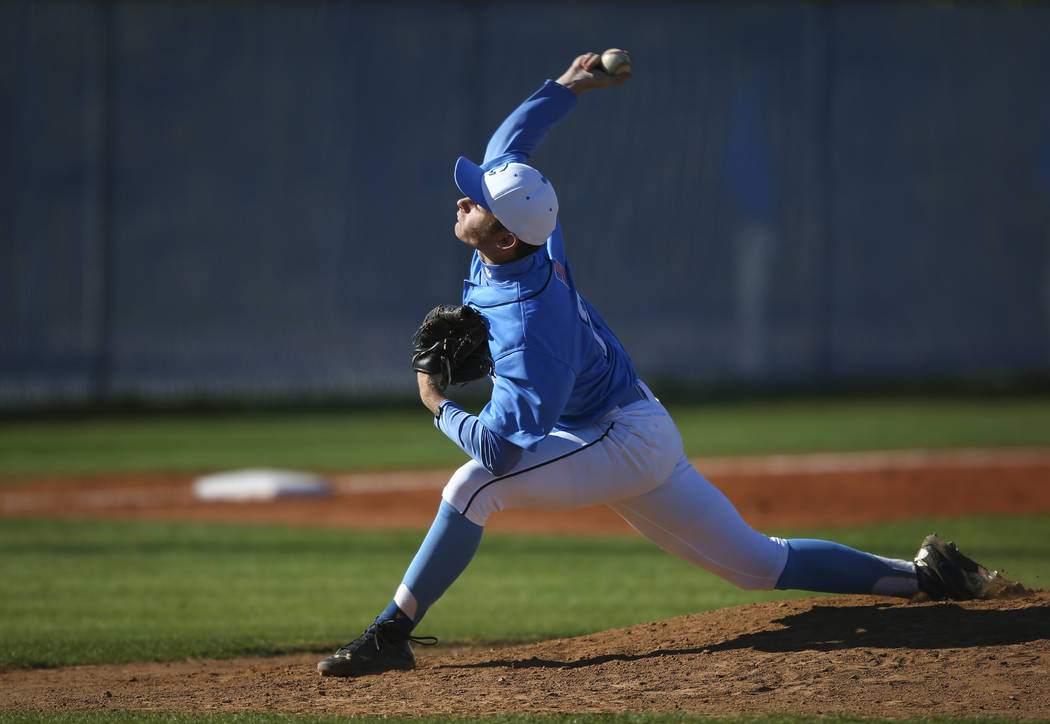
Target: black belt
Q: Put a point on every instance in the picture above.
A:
(635, 393)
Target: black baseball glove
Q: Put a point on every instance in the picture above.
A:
(452, 341)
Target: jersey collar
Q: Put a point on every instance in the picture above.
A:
(512, 269)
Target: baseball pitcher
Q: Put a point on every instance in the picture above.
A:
(569, 424)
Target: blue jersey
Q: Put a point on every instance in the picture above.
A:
(557, 364)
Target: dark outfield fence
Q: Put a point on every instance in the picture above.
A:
(223, 199)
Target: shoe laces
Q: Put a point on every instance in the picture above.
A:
(390, 629)
(384, 630)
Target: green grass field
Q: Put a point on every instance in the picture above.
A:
(94, 591)
(396, 439)
(90, 591)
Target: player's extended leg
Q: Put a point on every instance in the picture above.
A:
(691, 518)
(828, 567)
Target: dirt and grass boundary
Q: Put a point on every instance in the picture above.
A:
(843, 655)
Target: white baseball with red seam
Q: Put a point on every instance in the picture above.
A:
(616, 61)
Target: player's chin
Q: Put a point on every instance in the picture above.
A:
(461, 235)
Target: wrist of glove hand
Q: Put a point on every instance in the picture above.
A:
(431, 392)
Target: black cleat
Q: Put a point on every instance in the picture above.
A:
(382, 647)
(945, 573)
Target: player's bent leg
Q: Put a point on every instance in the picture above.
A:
(448, 548)
(690, 518)
(628, 453)
(471, 489)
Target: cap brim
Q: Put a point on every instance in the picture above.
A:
(469, 177)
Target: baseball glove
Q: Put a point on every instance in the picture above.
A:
(452, 341)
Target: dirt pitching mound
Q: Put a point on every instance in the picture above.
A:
(856, 655)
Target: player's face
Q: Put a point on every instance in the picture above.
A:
(475, 225)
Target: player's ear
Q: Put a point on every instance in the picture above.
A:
(509, 241)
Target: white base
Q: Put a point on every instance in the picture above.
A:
(245, 485)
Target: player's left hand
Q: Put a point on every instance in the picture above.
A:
(586, 73)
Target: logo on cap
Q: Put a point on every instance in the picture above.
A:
(523, 200)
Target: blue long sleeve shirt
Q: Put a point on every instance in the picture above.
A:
(557, 364)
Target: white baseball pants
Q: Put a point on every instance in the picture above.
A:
(632, 460)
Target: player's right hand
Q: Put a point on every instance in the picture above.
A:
(586, 73)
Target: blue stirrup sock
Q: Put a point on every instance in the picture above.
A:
(820, 565)
(446, 551)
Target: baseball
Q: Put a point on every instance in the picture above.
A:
(616, 61)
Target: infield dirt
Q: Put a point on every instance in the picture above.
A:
(852, 654)
(857, 655)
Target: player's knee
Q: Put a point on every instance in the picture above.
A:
(762, 568)
(465, 492)
(753, 584)
(747, 580)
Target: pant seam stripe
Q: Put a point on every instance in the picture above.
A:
(537, 466)
(695, 551)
